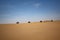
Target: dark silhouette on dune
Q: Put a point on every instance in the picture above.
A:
(17, 22)
(41, 21)
(51, 20)
(29, 22)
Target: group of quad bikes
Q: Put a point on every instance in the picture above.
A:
(30, 22)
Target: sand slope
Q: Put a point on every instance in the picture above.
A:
(30, 31)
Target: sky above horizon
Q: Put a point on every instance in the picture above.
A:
(12, 11)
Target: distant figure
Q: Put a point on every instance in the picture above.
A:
(51, 20)
(29, 22)
(40, 21)
(17, 22)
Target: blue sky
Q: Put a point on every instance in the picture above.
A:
(29, 10)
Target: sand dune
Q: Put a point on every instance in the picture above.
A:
(30, 31)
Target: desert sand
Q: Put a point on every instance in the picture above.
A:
(30, 31)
